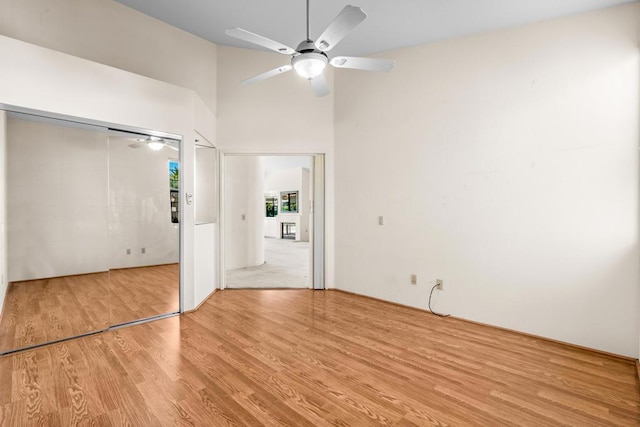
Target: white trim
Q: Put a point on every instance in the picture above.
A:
(317, 267)
(318, 264)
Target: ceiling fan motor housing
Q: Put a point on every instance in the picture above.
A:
(307, 46)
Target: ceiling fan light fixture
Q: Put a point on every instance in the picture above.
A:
(309, 65)
(155, 145)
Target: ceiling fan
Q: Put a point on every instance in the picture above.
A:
(153, 143)
(310, 58)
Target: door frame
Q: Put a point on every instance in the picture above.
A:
(318, 234)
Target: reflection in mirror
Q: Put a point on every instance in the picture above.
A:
(144, 208)
(92, 229)
(57, 236)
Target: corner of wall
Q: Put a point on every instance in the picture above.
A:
(3, 210)
(204, 120)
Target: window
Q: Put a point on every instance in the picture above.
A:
(289, 201)
(174, 175)
(174, 193)
(271, 205)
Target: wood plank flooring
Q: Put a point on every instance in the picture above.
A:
(38, 311)
(136, 293)
(307, 358)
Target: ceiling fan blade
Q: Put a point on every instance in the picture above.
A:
(268, 74)
(347, 20)
(367, 64)
(319, 85)
(137, 144)
(259, 40)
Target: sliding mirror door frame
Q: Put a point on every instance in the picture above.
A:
(107, 128)
(144, 213)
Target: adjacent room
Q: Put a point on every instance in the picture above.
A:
(268, 221)
(320, 213)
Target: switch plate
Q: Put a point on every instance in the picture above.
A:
(128, 251)
(414, 279)
(380, 220)
(143, 250)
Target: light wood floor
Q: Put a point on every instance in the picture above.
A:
(39, 311)
(137, 293)
(303, 358)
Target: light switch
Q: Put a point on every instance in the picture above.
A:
(380, 220)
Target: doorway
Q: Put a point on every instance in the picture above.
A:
(268, 238)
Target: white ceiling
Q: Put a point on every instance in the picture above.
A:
(390, 24)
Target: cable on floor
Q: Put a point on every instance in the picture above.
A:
(433, 312)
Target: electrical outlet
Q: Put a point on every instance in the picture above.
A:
(414, 279)
(380, 220)
(244, 217)
(439, 284)
(143, 250)
(128, 251)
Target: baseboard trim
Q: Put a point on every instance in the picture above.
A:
(580, 347)
(201, 303)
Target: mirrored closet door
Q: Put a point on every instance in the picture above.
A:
(143, 227)
(92, 230)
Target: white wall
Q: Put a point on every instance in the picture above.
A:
(4, 280)
(506, 164)
(79, 199)
(206, 260)
(276, 163)
(304, 204)
(110, 33)
(57, 182)
(206, 237)
(295, 179)
(244, 211)
(279, 115)
(206, 195)
(139, 206)
(53, 82)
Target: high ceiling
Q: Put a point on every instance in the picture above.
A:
(390, 24)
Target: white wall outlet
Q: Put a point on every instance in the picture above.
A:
(414, 279)
(439, 284)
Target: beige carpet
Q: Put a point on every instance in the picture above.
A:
(286, 266)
